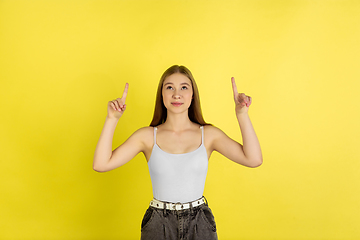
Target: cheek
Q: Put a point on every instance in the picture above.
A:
(165, 96)
(189, 98)
(190, 95)
(166, 99)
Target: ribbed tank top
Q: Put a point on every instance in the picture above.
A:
(178, 177)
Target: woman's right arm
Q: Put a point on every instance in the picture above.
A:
(104, 158)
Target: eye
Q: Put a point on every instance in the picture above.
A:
(169, 87)
(184, 87)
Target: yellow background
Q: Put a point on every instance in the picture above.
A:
(62, 61)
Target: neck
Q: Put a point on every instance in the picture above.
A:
(178, 122)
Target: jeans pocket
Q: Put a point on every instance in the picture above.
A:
(208, 216)
(148, 216)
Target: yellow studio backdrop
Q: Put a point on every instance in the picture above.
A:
(62, 61)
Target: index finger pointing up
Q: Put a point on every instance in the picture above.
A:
(125, 92)
(234, 87)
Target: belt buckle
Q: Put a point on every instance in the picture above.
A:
(179, 203)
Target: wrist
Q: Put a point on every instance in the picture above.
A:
(112, 119)
(242, 115)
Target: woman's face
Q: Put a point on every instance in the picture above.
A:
(177, 93)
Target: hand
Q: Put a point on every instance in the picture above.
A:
(242, 102)
(117, 107)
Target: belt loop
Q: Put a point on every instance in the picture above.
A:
(191, 208)
(164, 212)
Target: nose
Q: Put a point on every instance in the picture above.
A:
(176, 94)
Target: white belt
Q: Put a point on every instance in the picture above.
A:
(176, 206)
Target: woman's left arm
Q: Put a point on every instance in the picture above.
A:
(249, 154)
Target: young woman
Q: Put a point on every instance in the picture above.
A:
(177, 146)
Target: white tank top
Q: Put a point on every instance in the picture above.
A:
(178, 177)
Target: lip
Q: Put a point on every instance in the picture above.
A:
(176, 104)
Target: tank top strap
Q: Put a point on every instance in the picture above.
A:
(155, 128)
(202, 134)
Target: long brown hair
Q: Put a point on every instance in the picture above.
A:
(160, 112)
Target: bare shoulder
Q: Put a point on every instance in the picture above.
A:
(144, 133)
(145, 130)
(212, 131)
(212, 135)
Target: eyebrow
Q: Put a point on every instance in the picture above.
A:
(184, 83)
